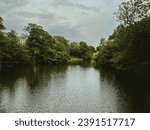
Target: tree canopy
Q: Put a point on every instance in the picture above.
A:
(127, 49)
(39, 47)
(132, 11)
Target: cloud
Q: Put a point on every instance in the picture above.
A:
(72, 4)
(8, 5)
(77, 20)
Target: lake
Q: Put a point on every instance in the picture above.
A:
(61, 89)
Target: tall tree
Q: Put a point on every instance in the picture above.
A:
(38, 39)
(42, 46)
(132, 11)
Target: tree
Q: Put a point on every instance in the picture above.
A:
(2, 39)
(92, 49)
(118, 28)
(61, 40)
(12, 52)
(45, 49)
(105, 54)
(132, 11)
(74, 49)
(81, 50)
(129, 49)
(38, 41)
(102, 41)
(2, 27)
(12, 35)
(61, 44)
(85, 52)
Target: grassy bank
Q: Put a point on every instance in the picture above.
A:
(75, 61)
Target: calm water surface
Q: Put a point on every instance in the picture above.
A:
(71, 89)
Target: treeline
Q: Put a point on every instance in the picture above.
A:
(128, 48)
(37, 46)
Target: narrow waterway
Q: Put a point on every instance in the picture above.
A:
(70, 89)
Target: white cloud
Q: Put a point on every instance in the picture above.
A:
(77, 20)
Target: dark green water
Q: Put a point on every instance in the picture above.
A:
(71, 89)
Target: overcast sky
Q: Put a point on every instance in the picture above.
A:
(76, 20)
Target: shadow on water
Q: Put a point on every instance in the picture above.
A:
(34, 75)
(66, 88)
(9, 76)
(39, 76)
(137, 87)
(17, 84)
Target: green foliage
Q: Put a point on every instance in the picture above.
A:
(94, 58)
(38, 40)
(75, 61)
(81, 50)
(51, 56)
(2, 27)
(61, 44)
(105, 54)
(45, 49)
(85, 52)
(128, 49)
(74, 49)
(11, 51)
(95, 55)
(132, 11)
(39, 47)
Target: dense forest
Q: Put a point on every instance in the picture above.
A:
(127, 49)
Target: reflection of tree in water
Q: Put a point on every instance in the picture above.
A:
(34, 75)
(8, 80)
(108, 76)
(38, 76)
(8, 77)
(17, 84)
(136, 87)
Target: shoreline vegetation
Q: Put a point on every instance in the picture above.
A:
(126, 50)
